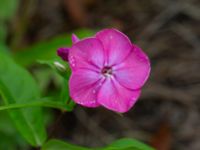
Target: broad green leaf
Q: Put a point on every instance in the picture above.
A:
(17, 86)
(122, 144)
(60, 145)
(46, 50)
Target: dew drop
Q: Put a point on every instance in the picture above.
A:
(72, 61)
(93, 91)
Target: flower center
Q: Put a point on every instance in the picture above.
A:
(107, 71)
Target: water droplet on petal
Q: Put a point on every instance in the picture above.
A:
(93, 91)
(72, 61)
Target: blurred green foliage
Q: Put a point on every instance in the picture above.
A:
(46, 50)
(60, 145)
(9, 137)
(7, 10)
(2, 32)
(127, 144)
(122, 144)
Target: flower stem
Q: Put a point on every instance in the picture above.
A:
(43, 102)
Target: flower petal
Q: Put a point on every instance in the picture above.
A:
(83, 86)
(75, 38)
(116, 97)
(116, 45)
(134, 70)
(87, 53)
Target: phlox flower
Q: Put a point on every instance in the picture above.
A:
(107, 70)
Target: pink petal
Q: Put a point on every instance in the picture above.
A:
(74, 38)
(116, 45)
(87, 53)
(115, 97)
(83, 87)
(134, 70)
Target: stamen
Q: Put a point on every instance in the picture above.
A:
(107, 71)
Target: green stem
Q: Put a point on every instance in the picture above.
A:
(44, 102)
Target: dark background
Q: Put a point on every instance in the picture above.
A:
(167, 116)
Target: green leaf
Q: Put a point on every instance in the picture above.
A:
(17, 86)
(122, 144)
(3, 48)
(46, 50)
(8, 8)
(3, 32)
(10, 139)
(127, 144)
(60, 145)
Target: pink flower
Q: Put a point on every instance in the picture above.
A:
(107, 70)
